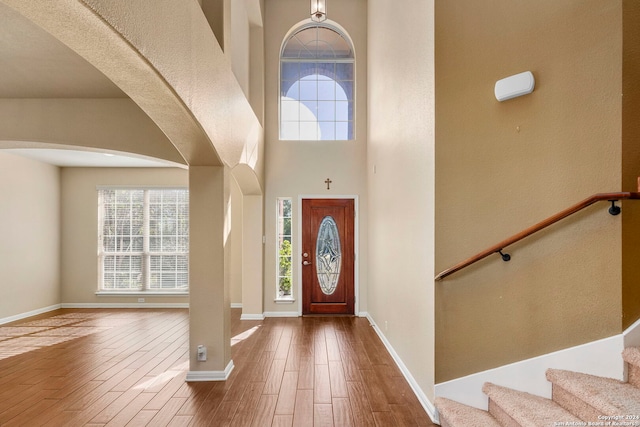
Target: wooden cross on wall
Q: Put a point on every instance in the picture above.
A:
(328, 182)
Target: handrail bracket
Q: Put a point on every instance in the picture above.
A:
(613, 209)
(505, 257)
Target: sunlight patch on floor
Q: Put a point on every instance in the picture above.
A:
(37, 334)
(243, 336)
(164, 377)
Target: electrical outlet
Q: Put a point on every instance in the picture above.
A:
(386, 325)
(140, 299)
(202, 353)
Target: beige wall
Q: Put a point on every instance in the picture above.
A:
(630, 161)
(501, 167)
(79, 280)
(238, 44)
(235, 275)
(401, 181)
(30, 244)
(252, 256)
(111, 123)
(300, 168)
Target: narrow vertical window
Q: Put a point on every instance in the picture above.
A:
(285, 274)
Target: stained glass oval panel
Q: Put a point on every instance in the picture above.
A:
(328, 255)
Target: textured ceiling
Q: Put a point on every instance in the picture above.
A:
(33, 64)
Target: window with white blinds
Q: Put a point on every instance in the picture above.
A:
(143, 242)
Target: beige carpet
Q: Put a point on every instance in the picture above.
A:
(606, 395)
(578, 400)
(453, 413)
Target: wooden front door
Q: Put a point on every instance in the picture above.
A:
(328, 256)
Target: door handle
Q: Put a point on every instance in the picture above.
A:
(305, 262)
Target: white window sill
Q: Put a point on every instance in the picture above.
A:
(284, 300)
(142, 294)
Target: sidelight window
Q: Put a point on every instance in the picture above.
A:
(285, 274)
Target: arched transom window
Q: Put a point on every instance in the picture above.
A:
(317, 85)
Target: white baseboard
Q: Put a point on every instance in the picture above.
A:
(281, 314)
(21, 316)
(195, 376)
(601, 358)
(252, 317)
(236, 305)
(126, 305)
(422, 398)
(293, 314)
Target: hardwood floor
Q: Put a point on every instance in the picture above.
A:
(128, 368)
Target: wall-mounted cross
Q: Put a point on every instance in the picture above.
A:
(328, 182)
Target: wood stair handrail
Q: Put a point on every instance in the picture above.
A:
(537, 227)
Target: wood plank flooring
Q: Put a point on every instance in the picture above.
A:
(128, 368)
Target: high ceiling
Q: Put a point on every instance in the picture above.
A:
(33, 64)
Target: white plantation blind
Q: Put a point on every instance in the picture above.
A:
(144, 239)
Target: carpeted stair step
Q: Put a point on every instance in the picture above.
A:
(455, 414)
(631, 355)
(519, 409)
(590, 397)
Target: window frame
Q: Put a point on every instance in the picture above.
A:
(146, 253)
(352, 104)
(280, 235)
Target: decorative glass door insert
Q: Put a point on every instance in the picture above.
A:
(328, 255)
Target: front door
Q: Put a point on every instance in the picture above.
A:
(328, 256)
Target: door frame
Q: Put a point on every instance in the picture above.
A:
(297, 256)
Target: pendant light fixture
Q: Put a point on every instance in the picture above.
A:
(318, 10)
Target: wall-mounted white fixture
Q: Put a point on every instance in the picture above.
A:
(202, 353)
(318, 10)
(513, 86)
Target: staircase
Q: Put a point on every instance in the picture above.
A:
(578, 400)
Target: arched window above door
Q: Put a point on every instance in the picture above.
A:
(317, 81)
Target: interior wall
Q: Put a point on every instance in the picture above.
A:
(630, 161)
(401, 181)
(214, 12)
(30, 244)
(502, 167)
(105, 123)
(79, 278)
(235, 275)
(295, 168)
(252, 261)
(239, 43)
(256, 71)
